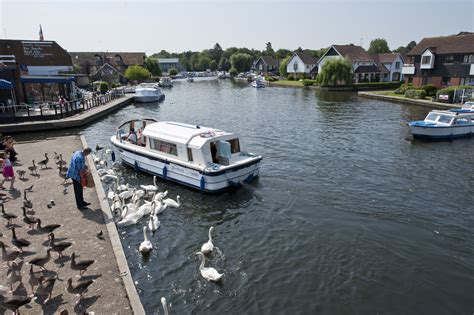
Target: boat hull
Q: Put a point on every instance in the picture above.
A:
(441, 132)
(147, 98)
(207, 181)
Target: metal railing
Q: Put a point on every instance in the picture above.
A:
(50, 111)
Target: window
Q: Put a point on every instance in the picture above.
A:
(234, 145)
(260, 67)
(468, 59)
(431, 117)
(426, 60)
(463, 81)
(190, 155)
(397, 65)
(448, 59)
(163, 146)
(444, 119)
(445, 80)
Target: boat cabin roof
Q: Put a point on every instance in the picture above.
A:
(194, 136)
(451, 113)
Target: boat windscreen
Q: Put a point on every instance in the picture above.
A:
(432, 117)
(445, 119)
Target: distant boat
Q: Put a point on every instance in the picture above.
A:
(129, 89)
(190, 79)
(146, 93)
(258, 82)
(166, 82)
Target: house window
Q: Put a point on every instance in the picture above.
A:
(163, 146)
(445, 80)
(468, 59)
(426, 60)
(190, 155)
(448, 59)
(397, 65)
(260, 67)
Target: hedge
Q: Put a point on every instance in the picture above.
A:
(419, 94)
(450, 92)
(430, 89)
(377, 85)
(307, 82)
(403, 88)
(104, 87)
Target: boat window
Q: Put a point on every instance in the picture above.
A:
(234, 145)
(190, 155)
(163, 146)
(215, 158)
(444, 119)
(432, 116)
(463, 121)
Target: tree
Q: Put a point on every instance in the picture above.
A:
(242, 62)
(269, 49)
(233, 72)
(152, 65)
(335, 71)
(282, 53)
(378, 46)
(137, 73)
(203, 62)
(213, 65)
(405, 50)
(184, 61)
(283, 65)
(173, 71)
(224, 64)
(216, 52)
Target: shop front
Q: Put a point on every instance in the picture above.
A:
(40, 89)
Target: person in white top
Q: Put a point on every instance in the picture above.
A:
(132, 136)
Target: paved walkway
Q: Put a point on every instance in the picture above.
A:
(403, 100)
(107, 295)
(69, 122)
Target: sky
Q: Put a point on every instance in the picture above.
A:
(176, 26)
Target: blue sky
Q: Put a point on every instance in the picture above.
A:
(151, 26)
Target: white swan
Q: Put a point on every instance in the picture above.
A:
(128, 218)
(159, 196)
(146, 245)
(109, 178)
(165, 307)
(160, 207)
(154, 223)
(208, 273)
(127, 194)
(172, 203)
(122, 187)
(150, 188)
(112, 192)
(147, 207)
(116, 204)
(208, 247)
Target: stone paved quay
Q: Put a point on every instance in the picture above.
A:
(403, 100)
(107, 295)
(69, 122)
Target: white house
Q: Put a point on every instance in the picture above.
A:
(393, 62)
(301, 63)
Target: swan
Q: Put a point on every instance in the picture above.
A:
(160, 196)
(112, 192)
(128, 218)
(122, 187)
(116, 204)
(146, 245)
(208, 273)
(165, 307)
(160, 208)
(150, 188)
(109, 178)
(127, 194)
(139, 193)
(208, 247)
(147, 208)
(171, 203)
(154, 223)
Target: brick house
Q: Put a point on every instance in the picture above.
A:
(442, 61)
(267, 65)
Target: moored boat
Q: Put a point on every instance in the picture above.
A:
(200, 157)
(258, 82)
(467, 107)
(146, 93)
(166, 82)
(440, 124)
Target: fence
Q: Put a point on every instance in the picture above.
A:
(49, 111)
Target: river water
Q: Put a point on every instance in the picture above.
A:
(349, 215)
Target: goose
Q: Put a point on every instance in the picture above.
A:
(79, 288)
(146, 245)
(57, 247)
(159, 196)
(150, 188)
(26, 203)
(208, 247)
(8, 256)
(40, 261)
(108, 151)
(165, 307)
(33, 168)
(44, 162)
(98, 148)
(15, 302)
(31, 221)
(14, 274)
(154, 223)
(208, 273)
(61, 162)
(33, 281)
(21, 173)
(6, 215)
(95, 158)
(46, 286)
(81, 265)
(47, 228)
(56, 157)
(19, 242)
(103, 172)
(172, 203)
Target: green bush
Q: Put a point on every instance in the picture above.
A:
(403, 88)
(410, 93)
(307, 82)
(115, 85)
(418, 94)
(377, 85)
(233, 72)
(291, 78)
(173, 71)
(104, 87)
(271, 79)
(430, 89)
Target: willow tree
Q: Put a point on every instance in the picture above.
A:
(335, 71)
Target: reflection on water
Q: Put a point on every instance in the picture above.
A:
(342, 219)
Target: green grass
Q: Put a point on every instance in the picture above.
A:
(392, 93)
(287, 82)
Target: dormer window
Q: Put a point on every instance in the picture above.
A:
(118, 59)
(448, 59)
(426, 60)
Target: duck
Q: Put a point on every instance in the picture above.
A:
(154, 223)
(33, 168)
(47, 228)
(165, 307)
(6, 215)
(8, 256)
(79, 288)
(19, 242)
(33, 281)
(42, 260)
(31, 221)
(15, 302)
(80, 265)
(145, 246)
(46, 286)
(44, 162)
(208, 273)
(14, 274)
(58, 247)
(208, 247)
(172, 203)
(150, 188)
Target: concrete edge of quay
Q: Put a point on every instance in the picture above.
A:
(407, 100)
(134, 299)
(69, 122)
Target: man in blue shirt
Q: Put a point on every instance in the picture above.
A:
(77, 168)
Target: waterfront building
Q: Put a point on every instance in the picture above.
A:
(169, 63)
(442, 61)
(393, 62)
(300, 64)
(106, 66)
(37, 71)
(267, 65)
(364, 67)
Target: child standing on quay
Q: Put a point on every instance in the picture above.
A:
(8, 171)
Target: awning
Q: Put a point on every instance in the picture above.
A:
(5, 85)
(46, 79)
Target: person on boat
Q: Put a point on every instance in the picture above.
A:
(77, 170)
(132, 136)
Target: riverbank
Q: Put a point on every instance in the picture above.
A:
(70, 122)
(404, 100)
(108, 293)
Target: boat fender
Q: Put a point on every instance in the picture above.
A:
(113, 156)
(165, 172)
(136, 166)
(203, 183)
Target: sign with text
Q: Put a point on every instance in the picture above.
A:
(37, 49)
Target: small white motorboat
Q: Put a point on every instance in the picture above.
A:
(467, 107)
(146, 93)
(166, 82)
(190, 79)
(258, 82)
(207, 159)
(440, 124)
